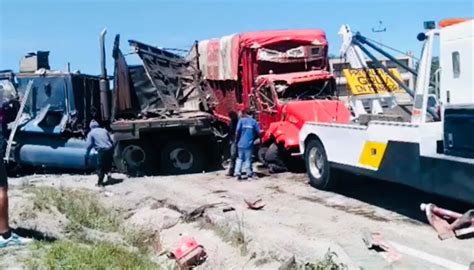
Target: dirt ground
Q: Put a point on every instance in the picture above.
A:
(297, 220)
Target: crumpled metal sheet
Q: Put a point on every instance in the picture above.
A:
(164, 70)
(123, 97)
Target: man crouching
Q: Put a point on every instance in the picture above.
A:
(100, 139)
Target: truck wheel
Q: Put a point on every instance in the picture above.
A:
(261, 154)
(181, 158)
(317, 166)
(133, 158)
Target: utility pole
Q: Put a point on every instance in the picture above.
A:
(379, 30)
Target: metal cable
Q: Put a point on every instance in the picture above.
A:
(393, 49)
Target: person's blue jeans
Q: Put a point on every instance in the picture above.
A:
(245, 160)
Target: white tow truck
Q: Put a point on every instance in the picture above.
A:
(429, 153)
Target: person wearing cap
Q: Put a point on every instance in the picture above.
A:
(247, 132)
(100, 139)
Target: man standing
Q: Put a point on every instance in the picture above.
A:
(7, 237)
(100, 139)
(247, 132)
(234, 119)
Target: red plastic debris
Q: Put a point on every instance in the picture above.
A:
(189, 253)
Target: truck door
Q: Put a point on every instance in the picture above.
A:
(266, 106)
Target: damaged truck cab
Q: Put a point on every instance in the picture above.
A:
(282, 75)
(285, 102)
(55, 117)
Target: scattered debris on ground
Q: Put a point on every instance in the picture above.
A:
(462, 225)
(255, 205)
(375, 241)
(141, 220)
(188, 253)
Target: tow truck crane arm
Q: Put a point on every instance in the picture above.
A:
(353, 48)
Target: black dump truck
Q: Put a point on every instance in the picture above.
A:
(157, 111)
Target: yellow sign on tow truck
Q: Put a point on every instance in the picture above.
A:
(372, 81)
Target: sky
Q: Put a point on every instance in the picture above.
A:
(70, 29)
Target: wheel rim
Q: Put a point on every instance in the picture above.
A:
(134, 155)
(182, 158)
(316, 162)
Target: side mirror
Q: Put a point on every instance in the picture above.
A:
(421, 37)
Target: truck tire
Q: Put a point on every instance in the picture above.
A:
(261, 154)
(180, 157)
(131, 159)
(317, 166)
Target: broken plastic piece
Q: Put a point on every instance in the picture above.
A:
(375, 241)
(189, 253)
(256, 205)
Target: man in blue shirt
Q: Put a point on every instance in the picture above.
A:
(100, 139)
(247, 132)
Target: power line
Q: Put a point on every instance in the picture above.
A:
(393, 49)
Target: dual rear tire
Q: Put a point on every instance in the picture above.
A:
(181, 158)
(174, 157)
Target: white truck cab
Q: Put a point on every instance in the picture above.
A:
(456, 61)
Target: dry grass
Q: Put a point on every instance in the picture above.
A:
(236, 237)
(327, 263)
(143, 240)
(74, 255)
(84, 211)
(80, 207)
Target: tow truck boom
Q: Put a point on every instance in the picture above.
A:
(354, 47)
(432, 156)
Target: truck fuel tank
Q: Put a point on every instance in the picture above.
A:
(56, 153)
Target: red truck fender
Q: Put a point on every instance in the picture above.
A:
(282, 132)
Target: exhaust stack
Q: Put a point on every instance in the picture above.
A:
(104, 81)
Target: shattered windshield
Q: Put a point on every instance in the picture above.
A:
(45, 92)
(302, 91)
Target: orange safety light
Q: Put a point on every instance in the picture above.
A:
(449, 22)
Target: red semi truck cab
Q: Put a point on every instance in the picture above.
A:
(283, 75)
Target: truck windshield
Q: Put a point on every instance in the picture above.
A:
(45, 92)
(302, 91)
(290, 57)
